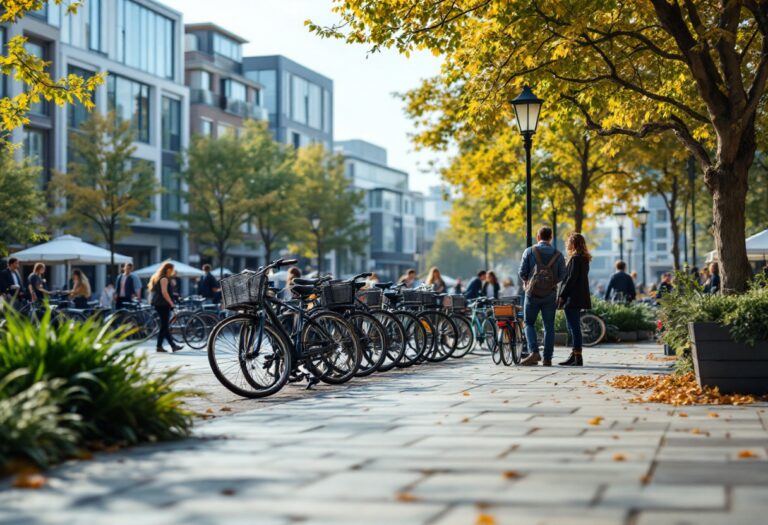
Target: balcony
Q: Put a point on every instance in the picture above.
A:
(202, 96)
(243, 109)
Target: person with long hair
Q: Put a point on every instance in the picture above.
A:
(160, 286)
(574, 293)
(36, 283)
(435, 280)
(491, 287)
(286, 293)
(81, 289)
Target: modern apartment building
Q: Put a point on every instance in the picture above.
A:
(299, 101)
(393, 212)
(138, 43)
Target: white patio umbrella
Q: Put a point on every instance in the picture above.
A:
(68, 249)
(218, 271)
(182, 270)
(757, 248)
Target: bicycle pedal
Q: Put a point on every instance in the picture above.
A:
(311, 381)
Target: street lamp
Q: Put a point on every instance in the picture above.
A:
(692, 181)
(642, 217)
(316, 229)
(553, 206)
(620, 215)
(527, 108)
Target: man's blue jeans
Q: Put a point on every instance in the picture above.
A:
(547, 306)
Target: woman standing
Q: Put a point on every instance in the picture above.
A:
(160, 285)
(81, 290)
(37, 283)
(491, 286)
(435, 280)
(713, 284)
(286, 293)
(574, 293)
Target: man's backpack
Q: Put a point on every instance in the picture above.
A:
(543, 281)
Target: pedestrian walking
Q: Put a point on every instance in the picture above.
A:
(208, 286)
(491, 287)
(475, 286)
(541, 269)
(621, 287)
(127, 287)
(574, 293)
(435, 280)
(160, 286)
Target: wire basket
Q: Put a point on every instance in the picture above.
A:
(412, 297)
(337, 293)
(455, 302)
(243, 290)
(373, 298)
(505, 311)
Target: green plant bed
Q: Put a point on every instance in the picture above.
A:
(633, 317)
(107, 393)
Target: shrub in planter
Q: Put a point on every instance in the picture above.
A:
(625, 317)
(119, 399)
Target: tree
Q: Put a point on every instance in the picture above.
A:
(105, 190)
(22, 204)
(32, 72)
(271, 184)
(697, 69)
(217, 194)
(329, 204)
(453, 259)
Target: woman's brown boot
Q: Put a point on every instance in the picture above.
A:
(574, 359)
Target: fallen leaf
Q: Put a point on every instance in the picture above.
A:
(485, 519)
(645, 479)
(619, 457)
(209, 411)
(466, 393)
(505, 401)
(30, 480)
(465, 420)
(683, 414)
(746, 454)
(696, 430)
(511, 474)
(226, 409)
(714, 414)
(596, 420)
(406, 497)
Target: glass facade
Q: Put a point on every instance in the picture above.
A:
(306, 103)
(130, 101)
(206, 127)
(227, 47)
(200, 79)
(93, 28)
(37, 49)
(35, 149)
(145, 39)
(171, 205)
(76, 112)
(368, 176)
(268, 79)
(171, 120)
(234, 90)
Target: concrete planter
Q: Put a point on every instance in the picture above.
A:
(626, 336)
(721, 362)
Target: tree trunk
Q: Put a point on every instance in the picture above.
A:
(675, 227)
(578, 213)
(111, 273)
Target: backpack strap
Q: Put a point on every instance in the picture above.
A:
(553, 259)
(537, 256)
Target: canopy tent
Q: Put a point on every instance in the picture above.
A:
(68, 249)
(218, 271)
(757, 248)
(182, 270)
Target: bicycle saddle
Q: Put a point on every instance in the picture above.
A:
(392, 296)
(383, 286)
(302, 290)
(360, 285)
(306, 282)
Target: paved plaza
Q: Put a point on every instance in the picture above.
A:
(458, 443)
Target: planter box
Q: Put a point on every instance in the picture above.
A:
(626, 336)
(735, 368)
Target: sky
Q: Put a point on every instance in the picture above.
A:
(365, 107)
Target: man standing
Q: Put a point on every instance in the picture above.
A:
(127, 287)
(208, 286)
(11, 283)
(621, 287)
(541, 268)
(475, 286)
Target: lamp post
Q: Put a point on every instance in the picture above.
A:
(620, 216)
(316, 229)
(527, 108)
(554, 225)
(642, 216)
(692, 182)
(630, 243)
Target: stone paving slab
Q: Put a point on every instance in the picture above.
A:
(440, 444)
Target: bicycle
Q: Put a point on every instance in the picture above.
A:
(483, 328)
(510, 342)
(593, 328)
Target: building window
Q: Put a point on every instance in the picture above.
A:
(299, 99)
(171, 193)
(145, 39)
(93, 27)
(660, 233)
(327, 113)
(200, 79)
(226, 47)
(171, 124)
(296, 139)
(268, 79)
(661, 215)
(233, 89)
(37, 49)
(206, 127)
(130, 102)
(225, 130)
(35, 149)
(191, 42)
(76, 112)
(661, 247)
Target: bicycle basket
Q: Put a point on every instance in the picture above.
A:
(373, 298)
(337, 293)
(430, 299)
(412, 297)
(505, 311)
(244, 289)
(455, 302)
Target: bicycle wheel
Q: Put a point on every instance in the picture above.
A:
(395, 339)
(592, 329)
(337, 347)
(466, 338)
(247, 363)
(444, 336)
(497, 348)
(197, 329)
(489, 334)
(177, 325)
(415, 338)
(373, 338)
(510, 343)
